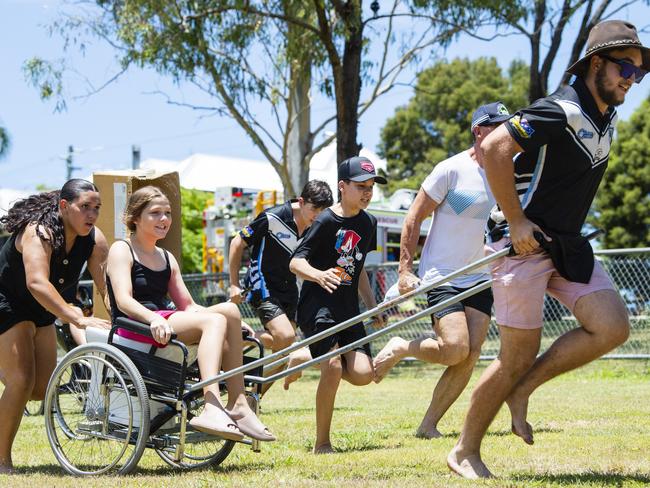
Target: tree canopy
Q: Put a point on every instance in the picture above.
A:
(435, 124)
(261, 56)
(4, 142)
(622, 205)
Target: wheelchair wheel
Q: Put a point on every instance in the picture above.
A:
(97, 411)
(33, 408)
(201, 450)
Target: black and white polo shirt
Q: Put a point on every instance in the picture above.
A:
(272, 236)
(566, 142)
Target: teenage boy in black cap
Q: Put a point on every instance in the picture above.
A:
(330, 261)
(560, 145)
(273, 237)
(458, 197)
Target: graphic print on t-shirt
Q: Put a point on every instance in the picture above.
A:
(346, 245)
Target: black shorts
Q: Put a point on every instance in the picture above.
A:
(11, 314)
(325, 320)
(273, 307)
(481, 301)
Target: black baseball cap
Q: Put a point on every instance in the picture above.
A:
(359, 168)
(490, 114)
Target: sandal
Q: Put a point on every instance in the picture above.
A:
(251, 426)
(220, 425)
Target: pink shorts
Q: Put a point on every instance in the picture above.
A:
(519, 284)
(134, 336)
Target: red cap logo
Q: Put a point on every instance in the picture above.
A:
(367, 166)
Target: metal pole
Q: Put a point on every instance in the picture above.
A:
(359, 318)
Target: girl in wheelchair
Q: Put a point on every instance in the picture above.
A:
(53, 235)
(141, 276)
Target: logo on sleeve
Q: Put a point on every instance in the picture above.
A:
(247, 231)
(522, 126)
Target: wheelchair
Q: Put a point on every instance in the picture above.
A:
(113, 397)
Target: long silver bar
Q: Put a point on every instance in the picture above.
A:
(347, 323)
(369, 338)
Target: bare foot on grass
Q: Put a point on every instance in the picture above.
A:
(7, 469)
(428, 432)
(323, 449)
(389, 356)
(469, 466)
(519, 411)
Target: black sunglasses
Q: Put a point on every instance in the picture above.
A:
(627, 68)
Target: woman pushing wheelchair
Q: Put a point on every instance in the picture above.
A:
(140, 277)
(53, 236)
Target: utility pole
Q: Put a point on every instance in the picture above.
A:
(135, 156)
(69, 168)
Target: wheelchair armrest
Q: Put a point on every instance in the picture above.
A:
(135, 326)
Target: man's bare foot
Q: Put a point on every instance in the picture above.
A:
(295, 358)
(389, 356)
(323, 449)
(468, 466)
(428, 432)
(519, 411)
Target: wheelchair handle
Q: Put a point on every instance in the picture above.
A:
(137, 327)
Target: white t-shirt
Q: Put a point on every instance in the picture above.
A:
(455, 238)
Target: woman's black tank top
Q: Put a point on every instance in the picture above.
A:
(149, 286)
(64, 276)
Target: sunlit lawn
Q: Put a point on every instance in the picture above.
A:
(593, 429)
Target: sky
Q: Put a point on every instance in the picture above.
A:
(103, 127)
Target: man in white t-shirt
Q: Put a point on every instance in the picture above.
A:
(457, 194)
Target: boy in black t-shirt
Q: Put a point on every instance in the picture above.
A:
(273, 237)
(330, 259)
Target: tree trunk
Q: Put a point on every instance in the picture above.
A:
(537, 87)
(299, 141)
(348, 87)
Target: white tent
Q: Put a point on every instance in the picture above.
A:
(208, 172)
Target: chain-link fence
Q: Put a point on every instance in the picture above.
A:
(629, 270)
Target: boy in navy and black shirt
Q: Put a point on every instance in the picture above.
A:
(330, 260)
(273, 237)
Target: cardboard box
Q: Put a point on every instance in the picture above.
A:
(115, 188)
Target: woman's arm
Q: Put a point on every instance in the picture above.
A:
(36, 260)
(97, 266)
(178, 291)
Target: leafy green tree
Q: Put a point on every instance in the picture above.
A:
(5, 142)
(269, 56)
(193, 202)
(622, 205)
(435, 124)
(543, 24)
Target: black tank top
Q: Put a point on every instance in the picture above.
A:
(149, 286)
(64, 276)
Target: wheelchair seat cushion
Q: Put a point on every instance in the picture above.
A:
(172, 353)
(165, 314)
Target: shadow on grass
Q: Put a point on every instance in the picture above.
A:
(597, 478)
(56, 470)
(503, 433)
(298, 410)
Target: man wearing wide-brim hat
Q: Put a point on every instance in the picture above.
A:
(544, 167)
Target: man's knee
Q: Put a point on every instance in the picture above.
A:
(332, 369)
(360, 378)
(283, 337)
(454, 351)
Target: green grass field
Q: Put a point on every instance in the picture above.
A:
(592, 429)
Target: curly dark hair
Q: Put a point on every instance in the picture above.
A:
(43, 209)
(318, 193)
